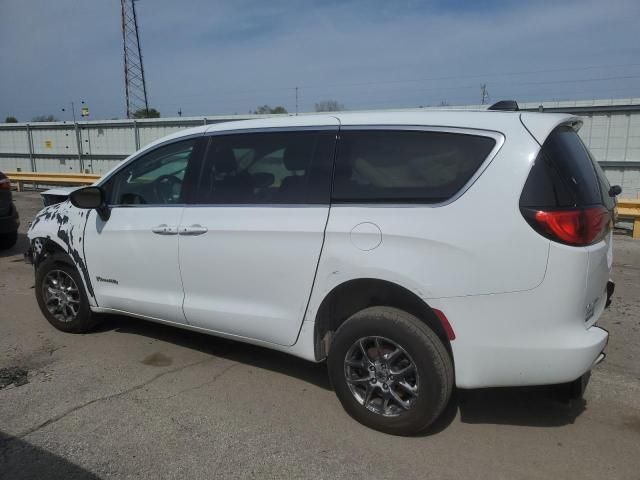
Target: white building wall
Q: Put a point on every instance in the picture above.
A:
(13, 140)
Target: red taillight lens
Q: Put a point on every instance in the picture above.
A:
(579, 227)
(5, 184)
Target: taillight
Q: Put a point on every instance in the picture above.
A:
(578, 227)
(5, 184)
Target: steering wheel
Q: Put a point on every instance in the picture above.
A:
(163, 187)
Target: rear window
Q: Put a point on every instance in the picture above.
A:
(564, 175)
(605, 186)
(406, 166)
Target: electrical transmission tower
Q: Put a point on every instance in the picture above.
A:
(135, 86)
(484, 93)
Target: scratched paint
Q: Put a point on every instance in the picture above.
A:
(62, 224)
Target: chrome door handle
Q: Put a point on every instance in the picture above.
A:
(193, 230)
(164, 229)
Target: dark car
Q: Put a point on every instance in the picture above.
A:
(9, 219)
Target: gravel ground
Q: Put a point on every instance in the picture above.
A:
(141, 400)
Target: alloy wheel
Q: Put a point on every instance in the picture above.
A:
(61, 295)
(381, 376)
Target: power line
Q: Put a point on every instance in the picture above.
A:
(415, 80)
(208, 101)
(471, 87)
(481, 75)
(200, 98)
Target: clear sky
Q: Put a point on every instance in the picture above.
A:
(210, 57)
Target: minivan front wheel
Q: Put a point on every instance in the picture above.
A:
(61, 296)
(390, 371)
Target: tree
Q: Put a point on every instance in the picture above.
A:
(44, 118)
(329, 106)
(266, 109)
(11, 119)
(144, 113)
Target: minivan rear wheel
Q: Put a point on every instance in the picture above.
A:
(390, 371)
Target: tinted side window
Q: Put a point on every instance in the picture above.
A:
(605, 186)
(563, 174)
(156, 178)
(267, 168)
(406, 166)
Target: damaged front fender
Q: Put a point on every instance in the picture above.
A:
(60, 227)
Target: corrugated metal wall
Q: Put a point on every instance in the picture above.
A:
(13, 142)
(611, 130)
(614, 139)
(91, 147)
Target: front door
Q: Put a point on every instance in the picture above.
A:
(250, 245)
(133, 256)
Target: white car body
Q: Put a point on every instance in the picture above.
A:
(515, 300)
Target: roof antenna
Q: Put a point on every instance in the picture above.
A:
(505, 106)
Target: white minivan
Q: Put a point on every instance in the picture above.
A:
(414, 250)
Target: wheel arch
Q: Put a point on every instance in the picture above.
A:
(42, 248)
(354, 295)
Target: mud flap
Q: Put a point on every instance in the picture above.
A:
(611, 286)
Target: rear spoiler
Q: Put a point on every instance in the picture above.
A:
(540, 125)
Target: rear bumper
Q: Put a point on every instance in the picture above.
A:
(520, 339)
(11, 222)
(543, 336)
(559, 357)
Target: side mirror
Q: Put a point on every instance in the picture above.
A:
(615, 190)
(91, 198)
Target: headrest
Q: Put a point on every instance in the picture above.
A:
(225, 161)
(297, 156)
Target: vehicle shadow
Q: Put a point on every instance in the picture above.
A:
(542, 406)
(524, 406)
(21, 460)
(18, 249)
(260, 357)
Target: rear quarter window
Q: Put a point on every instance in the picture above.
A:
(564, 175)
(406, 166)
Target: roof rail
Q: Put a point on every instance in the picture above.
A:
(505, 106)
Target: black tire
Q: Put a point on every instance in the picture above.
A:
(8, 240)
(85, 319)
(432, 363)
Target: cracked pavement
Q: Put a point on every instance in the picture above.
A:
(141, 400)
